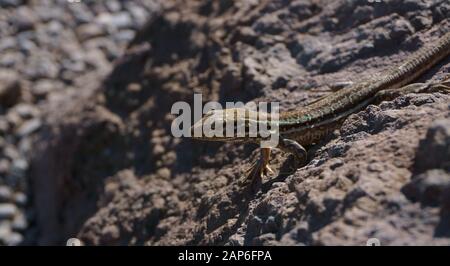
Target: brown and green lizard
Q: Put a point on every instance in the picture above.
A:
(306, 126)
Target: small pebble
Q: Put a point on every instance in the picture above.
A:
(29, 127)
(7, 210)
(19, 168)
(5, 194)
(20, 198)
(13, 239)
(4, 166)
(19, 223)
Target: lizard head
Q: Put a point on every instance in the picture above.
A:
(233, 124)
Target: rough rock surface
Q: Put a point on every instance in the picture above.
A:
(107, 169)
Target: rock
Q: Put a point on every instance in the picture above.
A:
(11, 60)
(7, 211)
(46, 14)
(4, 166)
(437, 144)
(95, 58)
(270, 225)
(14, 119)
(53, 29)
(13, 239)
(19, 223)
(268, 239)
(306, 48)
(20, 199)
(19, 167)
(5, 194)
(10, 89)
(74, 63)
(269, 24)
(5, 231)
(10, 3)
(25, 19)
(11, 153)
(138, 13)
(7, 43)
(428, 188)
(119, 20)
(81, 13)
(113, 6)
(236, 240)
(26, 111)
(89, 31)
(41, 66)
(421, 22)
(111, 234)
(27, 47)
(44, 86)
(164, 173)
(25, 145)
(4, 127)
(108, 47)
(124, 36)
(29, 127)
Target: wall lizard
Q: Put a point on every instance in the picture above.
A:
(309, 124)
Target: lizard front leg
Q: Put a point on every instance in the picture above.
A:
(260, 168)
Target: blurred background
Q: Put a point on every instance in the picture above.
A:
(49, 47)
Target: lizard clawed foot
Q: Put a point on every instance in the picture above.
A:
(440, 86)
(259, 169)
(443, 86)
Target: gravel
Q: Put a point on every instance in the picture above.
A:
(48, 48)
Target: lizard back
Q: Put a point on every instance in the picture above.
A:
(349, 98)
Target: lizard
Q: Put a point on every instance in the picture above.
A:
(305, 126)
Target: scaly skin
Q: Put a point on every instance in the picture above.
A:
(309, 124)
